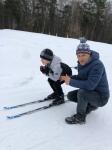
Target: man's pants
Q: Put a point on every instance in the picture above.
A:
(83, 98)
(56, 86)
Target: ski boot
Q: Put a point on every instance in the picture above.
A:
(50, 97)
(58, 100)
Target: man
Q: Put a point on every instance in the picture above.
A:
(54, 69)
(92, 82)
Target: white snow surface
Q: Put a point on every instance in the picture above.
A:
(21, 81)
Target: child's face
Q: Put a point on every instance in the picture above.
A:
(45, 62)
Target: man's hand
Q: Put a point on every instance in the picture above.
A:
(66, 79)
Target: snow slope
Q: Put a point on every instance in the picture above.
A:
(21, 81)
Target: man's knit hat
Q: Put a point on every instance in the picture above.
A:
(83, 47)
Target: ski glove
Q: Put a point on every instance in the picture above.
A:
(44, 70)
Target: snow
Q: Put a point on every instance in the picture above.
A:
(21, 81)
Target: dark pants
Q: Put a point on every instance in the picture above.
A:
(56, 86)
(85, 97)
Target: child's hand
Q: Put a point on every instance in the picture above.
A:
(42, 69)
(45, 70)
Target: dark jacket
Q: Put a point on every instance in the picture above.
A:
(92, 76)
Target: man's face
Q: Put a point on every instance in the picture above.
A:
(45, 62)
(83, 58)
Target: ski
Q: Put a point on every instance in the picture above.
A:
(26, 104)
(32, 111)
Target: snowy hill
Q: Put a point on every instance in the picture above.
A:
(21, 81)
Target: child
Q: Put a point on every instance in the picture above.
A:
(54, 69)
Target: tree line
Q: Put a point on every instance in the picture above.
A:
(89, 18)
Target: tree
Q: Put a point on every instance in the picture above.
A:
(74, 18)
(92, 17)
(52, 15)
(1, 14)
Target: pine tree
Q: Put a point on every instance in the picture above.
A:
(1, 14)
(93, 12)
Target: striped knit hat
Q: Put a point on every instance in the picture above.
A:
(83, 47)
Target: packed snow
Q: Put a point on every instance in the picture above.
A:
(21, 81)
